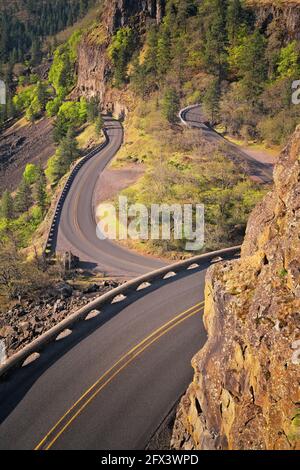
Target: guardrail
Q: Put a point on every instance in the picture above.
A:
(49, 248)
(183, 111)
(182, 117)
(40, 343)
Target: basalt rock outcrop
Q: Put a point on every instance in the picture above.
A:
(280, 18)
(246, 388)
(94, 68)
(26, 321)
(133, 12)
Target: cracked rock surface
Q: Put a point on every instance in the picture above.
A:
(246, 388)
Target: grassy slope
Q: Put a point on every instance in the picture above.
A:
(182, 168)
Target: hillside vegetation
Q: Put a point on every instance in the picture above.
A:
(39, 80)
(182, 167)
(24, 24)
(209, 52)
(214, 51)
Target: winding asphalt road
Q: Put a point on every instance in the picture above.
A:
(77, 227)
(110, 383)
(261, 171)
(137, 353)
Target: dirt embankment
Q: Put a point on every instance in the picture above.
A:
(21, 144)
(112, 181)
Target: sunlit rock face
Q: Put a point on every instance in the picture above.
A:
(94, 68)
(246, 388)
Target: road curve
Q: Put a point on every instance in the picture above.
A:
(77, 226)
(110, 383)
(193, 117)
(137, 354)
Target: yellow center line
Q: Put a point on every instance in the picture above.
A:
(137, 354)
(132, 351)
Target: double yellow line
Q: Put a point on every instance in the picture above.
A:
(67, 419)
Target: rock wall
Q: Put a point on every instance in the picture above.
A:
(134, 12)
(94, 68)
(278, 17)
(246, 388)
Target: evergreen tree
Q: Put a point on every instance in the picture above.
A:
(99, 125)
(211, 101)
(66, 153)
(68, 149)
(22, 35)
(40, 189)
(7, 206)
(41, 94)
(163, 52)
(234, 20)
(23, 200)
(171, 105)
(93, 108)
(216, 38)
(120, 52)
(150, 62)
(252, 66)
(9, 108)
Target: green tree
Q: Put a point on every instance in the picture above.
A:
(171, 105)
(32, 99)
(248, 62)
(53, 106)
(7, 206)
(211, 101)
(120, 52)
(62, 73)
(150, 61)
(288, 63)
(163, 56)
(41, 94)
(93, 109)
(216, 37)
(35, 52)
(99, 123)
(234, 20)
(70, 115)
(66, 153)
(10, 109)
(23, 200)
(40, 192)
(30, 173)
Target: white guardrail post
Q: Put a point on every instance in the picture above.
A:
(40, 343)
(18, 359)
(49, 246)
(183, 111)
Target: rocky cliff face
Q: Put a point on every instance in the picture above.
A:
(134, 12)
(246, 388)
(94, 69)
(279, 18)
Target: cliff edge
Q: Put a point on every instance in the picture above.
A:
(245, 393)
